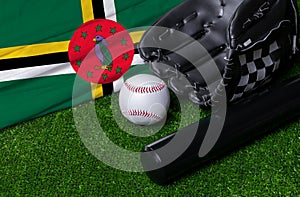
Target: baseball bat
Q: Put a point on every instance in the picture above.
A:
(245, 121)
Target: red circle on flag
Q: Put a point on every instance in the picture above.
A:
(101, 51)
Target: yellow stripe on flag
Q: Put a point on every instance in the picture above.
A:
(33, 50)
(136, 36)
(87, 10)
(97, 90)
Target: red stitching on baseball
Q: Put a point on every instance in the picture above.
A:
(143, 113)
(148, 89)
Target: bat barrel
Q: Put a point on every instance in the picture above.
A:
(244, 121)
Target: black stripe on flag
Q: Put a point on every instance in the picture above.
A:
(108, 88)
(25, 62)
(98, 9)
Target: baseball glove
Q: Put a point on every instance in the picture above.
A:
(249, 41)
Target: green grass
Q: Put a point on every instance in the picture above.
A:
(47, 157)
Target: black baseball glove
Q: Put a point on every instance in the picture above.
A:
(249, 41)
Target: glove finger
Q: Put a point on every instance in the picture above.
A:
(180, 85)
(162, 70)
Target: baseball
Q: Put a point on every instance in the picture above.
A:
(144, 99)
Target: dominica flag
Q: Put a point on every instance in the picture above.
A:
(36, 77)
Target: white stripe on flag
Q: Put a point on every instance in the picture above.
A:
(36, 71)
(137, 60)
(118, 84)
(46, 70)
(110, 9)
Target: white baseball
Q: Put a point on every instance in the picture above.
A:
(144, 99)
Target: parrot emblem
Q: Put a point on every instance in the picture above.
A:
(102, 53)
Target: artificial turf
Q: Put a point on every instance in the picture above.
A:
(46, 157)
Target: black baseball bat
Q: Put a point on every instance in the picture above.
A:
(244, 122)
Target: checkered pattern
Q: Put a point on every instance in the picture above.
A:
(257, 68)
